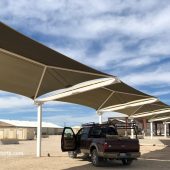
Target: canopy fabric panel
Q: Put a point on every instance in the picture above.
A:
(93, 98)
(143, 108)
(124, 88)
(160, 116)
(16, 75)
(32, 69)
(105, 96)
(58, 79)
(121, 98)
(148, 111)
(17, 43)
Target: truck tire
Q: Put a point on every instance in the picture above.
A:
(72, 154)
(96, 160)
(127, 161)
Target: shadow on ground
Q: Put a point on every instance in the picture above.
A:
(166, 142)
(137, 165)
(154, 160)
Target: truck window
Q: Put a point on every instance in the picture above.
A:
(111, 131)
(96, 132)
(84, 133)
(68, 134)
(99, 132)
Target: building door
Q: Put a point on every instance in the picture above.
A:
(12, 134)
(19, 133)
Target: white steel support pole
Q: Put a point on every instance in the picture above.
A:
(39, 126)
(100, 119)
(100, 116)
(126, 121)
(151, 129)
(132, 130)
(165, 135)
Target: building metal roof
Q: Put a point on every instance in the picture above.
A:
(19, 123)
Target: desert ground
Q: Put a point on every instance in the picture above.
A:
(22, 157)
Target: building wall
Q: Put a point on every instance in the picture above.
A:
(58, 131)
(30, 133)
(26, 133)
(9, 133)
(50, 131)
(17, 133)
(76, 130)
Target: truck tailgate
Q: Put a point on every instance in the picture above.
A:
(122, 145)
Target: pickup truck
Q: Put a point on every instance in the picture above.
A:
(101, 142)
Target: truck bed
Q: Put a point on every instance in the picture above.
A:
(118, 147)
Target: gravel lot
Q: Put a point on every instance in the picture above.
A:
(22, 157)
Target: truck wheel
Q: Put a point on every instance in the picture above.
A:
(72, 154)
(96, 160)
(127, 161)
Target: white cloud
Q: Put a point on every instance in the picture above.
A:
(148, 78)
(130, 34)
(161, 93)
(17, 102)
(158, 46)
(22, 112)
(132, 62)
(14, 101)
(137, 20)
(89, 19)
(137, 62)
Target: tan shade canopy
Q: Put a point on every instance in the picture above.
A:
(32, 69)
(137, 110)
(148, 111)
(163, 116)
(114, 94)
(160, 118)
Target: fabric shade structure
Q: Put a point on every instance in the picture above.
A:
(143, 109)
(164, 119)
(32, 69)
(164, 116)
(79, 88)
(152, 113)
(102, 97)
(129, 104)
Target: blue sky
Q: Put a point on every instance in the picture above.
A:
(129, 39)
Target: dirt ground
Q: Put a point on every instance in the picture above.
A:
(22, 157)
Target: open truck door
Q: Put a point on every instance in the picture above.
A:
(68, 140)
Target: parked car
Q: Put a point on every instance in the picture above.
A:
(101, 142)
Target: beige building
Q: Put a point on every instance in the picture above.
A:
(26, 130)
(76, 128)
